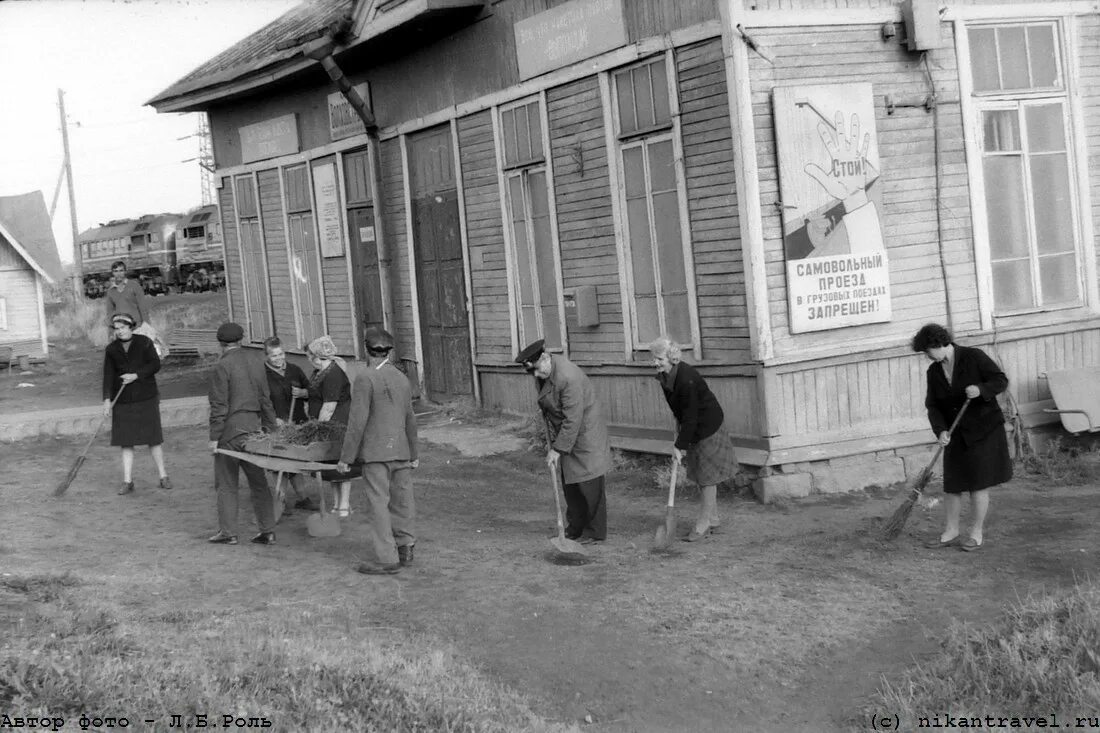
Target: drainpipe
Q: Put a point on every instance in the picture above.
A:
(320, 50)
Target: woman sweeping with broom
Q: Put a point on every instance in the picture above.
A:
(975, 455)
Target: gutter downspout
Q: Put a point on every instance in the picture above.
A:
(320, 50)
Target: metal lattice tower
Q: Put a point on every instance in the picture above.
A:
(206, 161)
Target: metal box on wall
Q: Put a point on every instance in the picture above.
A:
(922, 24)
(581, 308)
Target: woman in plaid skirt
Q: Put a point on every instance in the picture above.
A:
(706, 449)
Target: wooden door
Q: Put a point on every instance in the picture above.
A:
(440, 274)
(365, 261)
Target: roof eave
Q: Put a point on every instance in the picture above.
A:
(203, 98)
(25, 254)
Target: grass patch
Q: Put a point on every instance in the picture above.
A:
(1042, 657)
(292, 669)
(1063, 463)
(83, 321)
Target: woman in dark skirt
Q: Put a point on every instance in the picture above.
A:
(129, 364)
(330, 401)
(975, 456)
(705, 447)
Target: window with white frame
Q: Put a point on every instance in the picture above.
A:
(527, 195)
(657, 269)
(1022, 103)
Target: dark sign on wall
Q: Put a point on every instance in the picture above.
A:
(568, 33)
(269, 139)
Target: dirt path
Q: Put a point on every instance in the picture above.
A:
(783, 622)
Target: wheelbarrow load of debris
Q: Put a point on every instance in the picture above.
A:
(308, 441)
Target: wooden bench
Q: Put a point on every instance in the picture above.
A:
(192, 342)
(1076, 395)
(18, 352)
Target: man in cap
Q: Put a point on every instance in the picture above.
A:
(578, 442)
(239, 405)
(381, 437)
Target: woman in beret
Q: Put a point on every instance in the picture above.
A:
(129, 365)
(330, 401)
(701, 443)
(975, 455)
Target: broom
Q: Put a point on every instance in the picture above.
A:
(901, 516)
(64, 485)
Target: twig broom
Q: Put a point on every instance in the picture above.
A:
(901, 515)
(71, 476)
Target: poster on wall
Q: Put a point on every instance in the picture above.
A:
(829, 180)
(327, 198)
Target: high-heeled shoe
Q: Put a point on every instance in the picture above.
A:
(127, 488)
(694, 535)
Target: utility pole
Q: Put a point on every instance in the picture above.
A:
(78, 258)
(206, 160)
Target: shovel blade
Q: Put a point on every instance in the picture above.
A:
(661, 538)
(323, 525)
(568, 547)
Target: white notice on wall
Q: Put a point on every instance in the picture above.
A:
(328, 210)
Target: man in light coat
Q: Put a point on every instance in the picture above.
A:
(579, 445)
(381, 437)
(239, 405)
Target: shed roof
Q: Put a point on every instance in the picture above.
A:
(273, 45)
(25, 223)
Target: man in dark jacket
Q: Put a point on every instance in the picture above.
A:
(579, 444)
(381, 436)
(239, 405)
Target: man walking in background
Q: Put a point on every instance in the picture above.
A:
(381, 436)
(125, 296)
(239, 405)
(579, 444)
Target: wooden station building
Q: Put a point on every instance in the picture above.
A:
(791, 188)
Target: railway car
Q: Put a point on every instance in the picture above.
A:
(147, 245)
(200, 254)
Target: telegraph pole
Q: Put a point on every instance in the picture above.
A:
(78, 258)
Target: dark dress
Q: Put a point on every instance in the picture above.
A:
(711, 457)
(279, 387)
(135, 419)
(977, 456)
(330, 384)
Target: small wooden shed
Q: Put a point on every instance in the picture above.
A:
(28, 262)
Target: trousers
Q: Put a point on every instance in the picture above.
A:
(586, 509)
(391, 509)
(227, 484)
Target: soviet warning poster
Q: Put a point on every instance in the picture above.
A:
(829, 180)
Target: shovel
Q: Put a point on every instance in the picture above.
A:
(561, 543)
(664, 533)
(324, 524)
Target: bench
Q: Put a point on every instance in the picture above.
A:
(192, 342)
(1076, 395)
(20, 352)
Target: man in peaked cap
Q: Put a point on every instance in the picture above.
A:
(381, 437)
(239, 405)
(578, 441)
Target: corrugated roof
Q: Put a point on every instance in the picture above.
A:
(268, 46)
(25, 219)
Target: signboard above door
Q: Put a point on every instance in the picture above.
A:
(568, 33)
(269, 139)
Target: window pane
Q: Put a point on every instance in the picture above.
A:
(633, 171)
(1013, 55)
(628, 119)
(1045, 130)
(1044, 56)
(1006, 206)
(983, 59)
(1058, 276)
(662, 176)
(1012, 285)
(536, 180)
(534, 126)
(641, 253)
(1001, 130)
(544, 243)
(670, 249)
(519, 235)
(523, 135)
(1053, 208)
(508, 120)
(643, 96)
(528, 321)
(649, 326)
(662, 113)
(551, 326)
(678, 323)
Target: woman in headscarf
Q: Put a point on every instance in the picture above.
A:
(705, 447)
(330, 401)
(129, 365)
